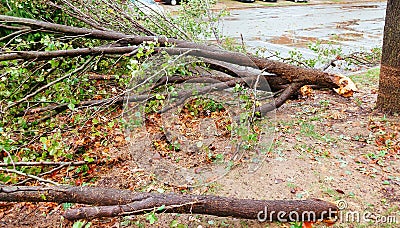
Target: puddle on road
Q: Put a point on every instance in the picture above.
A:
(360, 7)
(293, 41)
(231, 18)
(280, 29)
(347, 37)
(345, 24)
(303, 41)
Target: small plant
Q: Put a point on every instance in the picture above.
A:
(176, 224)
(324, 103)
(81, 224)
(151, 217)
(296, 225)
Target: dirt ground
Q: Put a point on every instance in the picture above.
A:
(325, 146)
(324, 149)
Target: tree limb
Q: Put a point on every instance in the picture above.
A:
(115, 202)
(29, 175)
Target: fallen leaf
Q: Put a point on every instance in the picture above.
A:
(340, 191)
(308, 224)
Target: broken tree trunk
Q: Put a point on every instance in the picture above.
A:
(126, 44)
(115, 202)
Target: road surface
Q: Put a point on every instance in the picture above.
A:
(350, 26)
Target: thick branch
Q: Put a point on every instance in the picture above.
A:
(287, 73)
(137, 203)
(28, 175)
(92, 33)
(280, 100)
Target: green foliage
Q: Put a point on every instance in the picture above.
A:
(296, 225)
(34, 9)
(81, 224)
(42, 137)
(56, 134)
(175, 223)
(232, 44)
(246, 131)
(152, 217)
(194, 21)
(203, 106)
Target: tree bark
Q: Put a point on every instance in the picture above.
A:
(389, 80)
(115, 202)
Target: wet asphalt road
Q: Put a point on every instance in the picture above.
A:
(350, 26)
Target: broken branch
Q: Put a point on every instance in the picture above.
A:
(115, 202)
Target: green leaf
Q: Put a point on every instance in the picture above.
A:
(78, 224)
(43, 197)
(161, 208)
(4, 178)
(67, 206)
(174, 223)
(152, 218)
(160, 97)
(71, 106)
(89, 159)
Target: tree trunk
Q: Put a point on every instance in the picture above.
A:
(389, 82)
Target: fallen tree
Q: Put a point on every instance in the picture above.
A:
(114, 202)
(220, 69)
(283, 75)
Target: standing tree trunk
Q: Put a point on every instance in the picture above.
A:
(389, 82)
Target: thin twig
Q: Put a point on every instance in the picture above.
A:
(42, 174)
(45, 163)
(82, 67)
(30, 176)
(11, 159)
(14, 34)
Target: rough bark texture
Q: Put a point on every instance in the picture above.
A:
(114, 202)
(389, 82)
